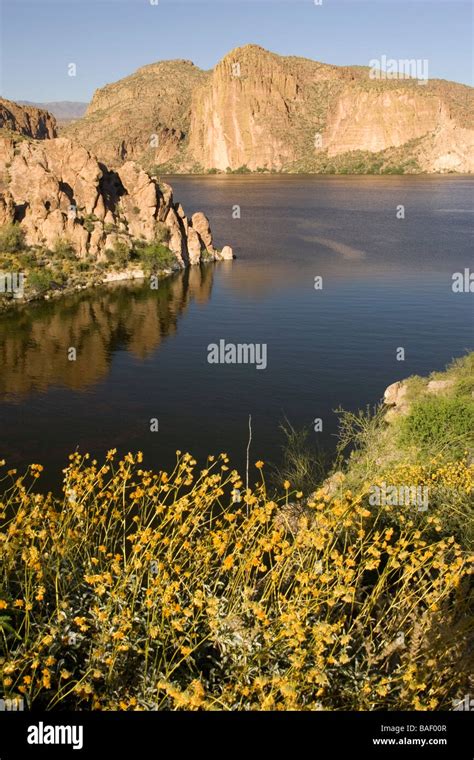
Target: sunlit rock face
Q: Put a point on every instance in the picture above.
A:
(56, 189)
(259, 110)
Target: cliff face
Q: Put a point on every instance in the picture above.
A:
(26, 120)
(376, 120)
(261, 110)
(379, 119)
(251, 104)
(57, 189)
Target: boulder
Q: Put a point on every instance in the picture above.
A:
(395, 397)
(439, 386)
(177, 241)
(226, 253)
(194, 246)
(395, 394)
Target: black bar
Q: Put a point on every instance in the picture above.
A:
(129, 734)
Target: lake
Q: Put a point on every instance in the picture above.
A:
(142, 354)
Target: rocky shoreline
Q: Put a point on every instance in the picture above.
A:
(67, 222)
(110, 279)
(55, 189)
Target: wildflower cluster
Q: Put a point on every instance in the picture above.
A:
(141, 591)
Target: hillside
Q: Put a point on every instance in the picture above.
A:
(28, 121)
(123, 118)
(260, 111)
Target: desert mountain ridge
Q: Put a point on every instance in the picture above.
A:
(259, 111)
(62, 110)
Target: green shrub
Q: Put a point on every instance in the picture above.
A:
(12, 238)
(438, 423)
(40, 281)
(88, 222)
(119, 254)
(462, 370)
(26, 259)
(156, 256)
(64, 249)
(206, 256)
(162, 233)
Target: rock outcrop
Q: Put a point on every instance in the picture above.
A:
(395, 398)
(26, 120)
(57, 190)
(259, 110)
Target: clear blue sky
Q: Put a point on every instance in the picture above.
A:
(109, 39)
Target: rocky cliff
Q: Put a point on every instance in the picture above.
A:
(259, 110)
(56, 189)
(26, 120)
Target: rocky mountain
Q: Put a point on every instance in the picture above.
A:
(260, 111)
(26, 120)
(144, 116)
(63, 110)
(56, 189)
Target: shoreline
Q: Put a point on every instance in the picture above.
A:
(122, 276)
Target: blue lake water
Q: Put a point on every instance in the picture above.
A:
(142, 354)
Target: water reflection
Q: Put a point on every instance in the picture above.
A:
(34, 340)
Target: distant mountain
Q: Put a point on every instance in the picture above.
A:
(27, 120)
(260, 111)
(63, 110)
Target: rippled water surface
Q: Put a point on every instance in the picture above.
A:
(142, 354)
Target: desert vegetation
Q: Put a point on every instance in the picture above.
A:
(142, 590)
(59, 270)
